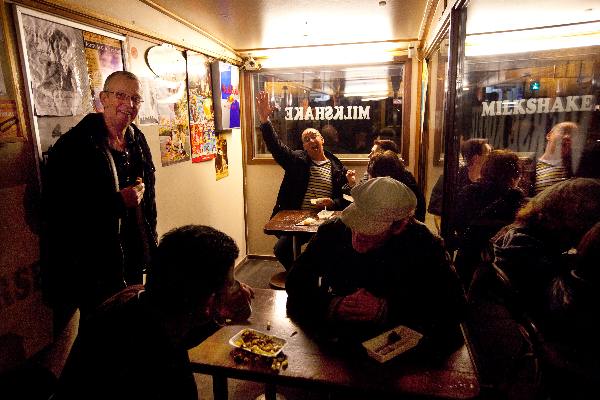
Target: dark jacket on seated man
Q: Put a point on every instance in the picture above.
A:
(296, 164)
(406, 275)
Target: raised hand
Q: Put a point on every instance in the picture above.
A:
(263, 106)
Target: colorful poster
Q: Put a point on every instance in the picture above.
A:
(230, 96)
(228, 113)
(57, 68)
(103, 56)
(173, 114)
(9, 120)
(202, 122)
(148, 113)
(221, 161)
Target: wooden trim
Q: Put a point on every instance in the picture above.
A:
(14, 78)
(261, 257)
(249, 130)
(443, 25)
(406, 109)
(439, 104)
(86, 16)
(417, 112)
(242, 262)
(426, 21)
(403, 40)
(187, 23)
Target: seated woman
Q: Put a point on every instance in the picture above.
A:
(484, 207)
(387, 163)
(571, 337)
(530, 251)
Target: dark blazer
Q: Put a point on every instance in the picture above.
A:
(296, 164)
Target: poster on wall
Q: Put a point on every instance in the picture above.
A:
(202, 122)
(57, 68)
(137, 48)
(221, 160)
(103, 57)
(226, 94)
(173, 120)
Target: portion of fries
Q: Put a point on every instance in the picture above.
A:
(258, 344)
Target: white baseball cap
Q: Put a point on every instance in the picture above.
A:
(378, 202)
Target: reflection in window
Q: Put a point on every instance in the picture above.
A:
(350, 106)
(514, 100)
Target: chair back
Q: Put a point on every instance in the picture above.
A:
(503, 339)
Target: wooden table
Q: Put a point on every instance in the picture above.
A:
(315, 366)
(286, 222)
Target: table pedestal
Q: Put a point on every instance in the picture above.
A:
(278, 280)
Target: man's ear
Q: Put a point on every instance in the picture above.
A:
(103, 97)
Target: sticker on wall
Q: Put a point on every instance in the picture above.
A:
(221, 161)
(202, 122)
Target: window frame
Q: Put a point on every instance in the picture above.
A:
(250, 130)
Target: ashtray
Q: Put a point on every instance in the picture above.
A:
(392, 343)
(325, 214)
(258, 342)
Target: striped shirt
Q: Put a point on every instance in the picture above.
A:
(319, 183)
(547, 175)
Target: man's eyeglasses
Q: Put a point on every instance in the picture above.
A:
(308, 138)
(137, 100)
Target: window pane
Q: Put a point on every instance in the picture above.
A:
(350, 106)
(514, 100)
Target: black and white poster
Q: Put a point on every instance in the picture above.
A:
(57, 67)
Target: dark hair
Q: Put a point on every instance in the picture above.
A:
(385, 163)
(192, 260)
(589, 164)
(116, 74)
(501, 167)
(385, 144)
(471, 148)
(588, 254)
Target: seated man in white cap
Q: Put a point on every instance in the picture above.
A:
(376, 267)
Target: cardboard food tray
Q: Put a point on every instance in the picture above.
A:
(392, 343)
(310, 222)
(237, 338)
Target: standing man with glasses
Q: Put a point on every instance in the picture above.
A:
(99, 205)
(313, 176)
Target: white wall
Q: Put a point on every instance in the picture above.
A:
(189, 193)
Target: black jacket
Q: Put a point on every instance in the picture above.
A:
(83, 255)
(411, 271)
(296, 164)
